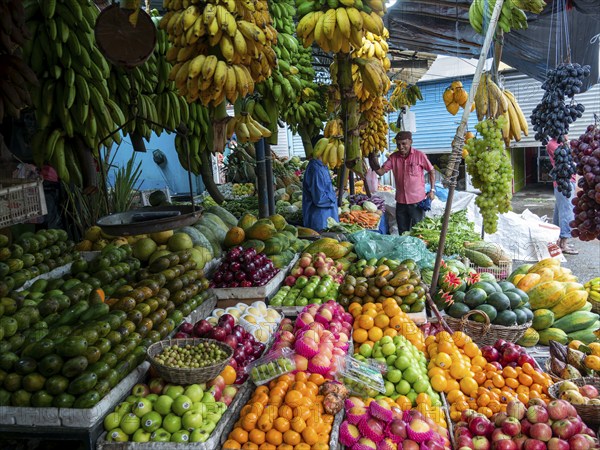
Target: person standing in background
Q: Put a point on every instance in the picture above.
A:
(319, 201)
(563, 208)
(408, 166)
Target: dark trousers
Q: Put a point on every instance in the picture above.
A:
(407, 216)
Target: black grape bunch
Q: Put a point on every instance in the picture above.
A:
(564, 168)
(586, 154)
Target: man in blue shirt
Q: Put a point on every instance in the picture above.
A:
(319, 201)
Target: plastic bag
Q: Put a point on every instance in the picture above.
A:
(368, 245)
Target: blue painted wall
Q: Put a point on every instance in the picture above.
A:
(436, 127)
(171, 174)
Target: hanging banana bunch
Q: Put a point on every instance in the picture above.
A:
(73, 105)
(374, 127)
(245, 127)
(340, 26)
(15, 75)
(330, 150)
(220, 50)
(405, 94)
(512, 15)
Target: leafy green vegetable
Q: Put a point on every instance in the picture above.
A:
(346, 228)
(460, 230)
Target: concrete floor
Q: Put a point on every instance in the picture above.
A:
(539, 199)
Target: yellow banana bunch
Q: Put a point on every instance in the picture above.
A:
(490, 102)
(334, 128)
(373, 76)
(517, 122)
(221, 49)
(593, 289)
(405, 94)
(331, 151)
(374, 130)
(246, 128)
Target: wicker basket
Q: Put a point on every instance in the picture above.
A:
(590, 414)
(187, 376)
(486, 333)
(595, 307)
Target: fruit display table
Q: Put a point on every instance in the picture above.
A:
(83, 425)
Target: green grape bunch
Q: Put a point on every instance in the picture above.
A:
(491, 172)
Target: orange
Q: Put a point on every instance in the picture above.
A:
(249, 446)
(480, 377)
(274, 437)
(249, 421)
(265, 422)
(468, 385)
(281, 424)
(302, 446)
(443, 360)
(285, 447)
(360, 336)
(483, 400)
(302, 411)
(375, 334)
(230, 443)
(487, 412)
(460, 338)
(320, 446)
(239, 435)
(293, 398)
(494, 405)
(455, 395)
(439, 383)
(291, 437)
(381, 321)
(267, 446)
(317, 378)
(528, 369)
(452, 385)
(461, 405)
(229, 375)
(471, 349)
(256, 436)
(365, 322)
(391, 310)
(298, 424)
(391, 332)
(523, 398)
(286, 412)
(310, 436)
(301, 376)
(404, 403)
(276, 400)
(525, 379)
(512, 383)
(261, 389)
(498, 381)
(509, 372)
(479, 361)
(458, 371)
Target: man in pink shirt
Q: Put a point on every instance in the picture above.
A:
(408, 165)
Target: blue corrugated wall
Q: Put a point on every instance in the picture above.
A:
(436, 127)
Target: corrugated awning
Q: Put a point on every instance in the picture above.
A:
(442, 27)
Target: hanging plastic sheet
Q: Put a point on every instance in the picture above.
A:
(368, 245)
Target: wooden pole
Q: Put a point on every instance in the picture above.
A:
(459, 140)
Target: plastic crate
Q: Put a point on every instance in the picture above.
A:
(500, 271)
(21, 200)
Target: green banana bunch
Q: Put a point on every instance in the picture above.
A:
(405, 94)
(73, 105)
(512, 15)
(593, 289)
(199, 135)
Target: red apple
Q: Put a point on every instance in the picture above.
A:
(520, 441)
(579, 442)
(156, 385)
(464, 442)
(516, 409)
(187, 327)
(572, 411)
(557, 444)
(525, 426)
(504, 444)
(408, 444)
(534, 444)
(499, 435)
(525, 358)
(512, 426)
(577, 424)
(202, 328)
(558, 409)
(140, 390)
(563, 429)
(481, 443)
(490, 353)
(499, 418)
(181, 335)
(588, 431)
(500, 345)
(537, 414)
(541, 432)
(228, 394)
(588, 391)
(462, 431)
(536, 402)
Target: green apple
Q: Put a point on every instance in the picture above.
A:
(129, 423)
(161, 435)
(412, 396)
(403, 387)
(402, 363)
(181, 405)
(142, 407)
(359, 357)
(365, 350)
(208, 427)
(208, 398)
(198, 406)
(381, 360)
(124, 408)
(390, 389)
(386, 340)
(199, 436)
(390, 360)
(112, 421)
(213, 417)
(194, 392)
(393, 375)
(411, 375)
(377, 353)
(163, 405)
(131, 399)
(180, 436)
(388, 349)
(301, 301)
(117, 435)
(174, 391)
(421, 386)
(172, 423)
(192, 420)
(152, 397)
(141, 436)
(221, 407)
(151, 421)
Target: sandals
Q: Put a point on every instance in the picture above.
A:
(568, 250)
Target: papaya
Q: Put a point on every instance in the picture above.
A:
(542, 319)
(227, 218)
(530, 338)
(331, 247)
(259, 246)
(568, 303)
(587, 335)
(529, 281)
(544, 295)
(547, 262)
(553, 334)
(291, 229)
(216, 220)
(261, 231)
(278, 221)
(304, 232)
(546, 274)
(235, 236)
(273, 246)
(575, 321)
(573, 286)
(246, 221)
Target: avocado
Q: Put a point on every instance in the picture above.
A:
(39, 350)
(63, 400)
(41, 399)
(87, 400)
(74, 366)
(83, 383)
(33, 382)
(50, 365)
(73, 346)
(56, 384)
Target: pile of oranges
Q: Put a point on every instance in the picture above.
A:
(458, 369)
(286, 414)
(372, 321)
